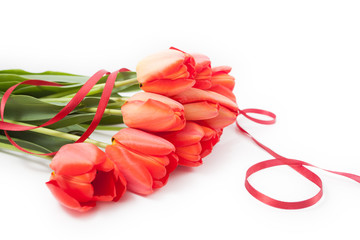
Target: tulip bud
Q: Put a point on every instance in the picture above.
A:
(144, 159)
(222, 82)
(208, 108)
(168, 72)
(153, 112)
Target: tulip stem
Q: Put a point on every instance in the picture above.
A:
(113, 112)
(59, 134)
(66, 99)
(98, 88)
(105, 128)
(13, 148)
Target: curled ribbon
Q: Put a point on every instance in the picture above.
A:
(279, 160)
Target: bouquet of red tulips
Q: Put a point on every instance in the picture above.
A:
(177, 115)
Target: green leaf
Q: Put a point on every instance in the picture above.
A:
(111, 120)
(43, 91)
(72, 129)
(26, 108)
(23, 72)
(50, 143)
(25, 144)
(68, 120)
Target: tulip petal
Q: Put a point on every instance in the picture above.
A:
(151, 115)
(106, 166)
(186, 163)
(77, 159)
(190, 153)
(173, 162)
(225, 118)
(104, 186)
(120, 185)
(200, 110)
(143, 142)
(221, 69)
(137, 176)
(81, 191)
(168, 87)
(223, 91)
(155, 168)
(160, 65)
(197, 95)
(202, 71)
(144, 96)
(66, 200)
(191, 134)
(223, 79)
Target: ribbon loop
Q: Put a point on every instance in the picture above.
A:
(278, 160)
(261, 112)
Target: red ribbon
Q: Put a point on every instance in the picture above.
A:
(278, 160)
(74, 102)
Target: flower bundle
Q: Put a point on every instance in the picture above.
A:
(176, 117)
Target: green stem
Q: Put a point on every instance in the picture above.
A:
(59, 134)
(66, 99)
(113, 112)
(13, 148)
(98, 88)
(105, 128)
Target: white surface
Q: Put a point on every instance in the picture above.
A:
(299, 59)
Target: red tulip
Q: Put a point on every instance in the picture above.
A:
(202, 71)
(208, 108)
(153, 112)
(222, 82)
(144, 159)
(83, 175)
(168, 72)
(192, 143)
(211, 137)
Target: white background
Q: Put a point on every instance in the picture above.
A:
(299, 59)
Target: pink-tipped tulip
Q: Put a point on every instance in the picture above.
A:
(168, 72)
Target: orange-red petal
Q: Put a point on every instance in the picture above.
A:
(143, 142)
(138, 178)
(77, 159)
(197, 95)
(67, 200)
(151, 115)
(168, 87)
(200, 110)
(225, 118)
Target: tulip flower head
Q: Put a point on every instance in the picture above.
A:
(192, 143)
(202, 71)
(83, 175)
(208, 108)
(222, 82)
(168, 72)
(144, 159)
(153, 112)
